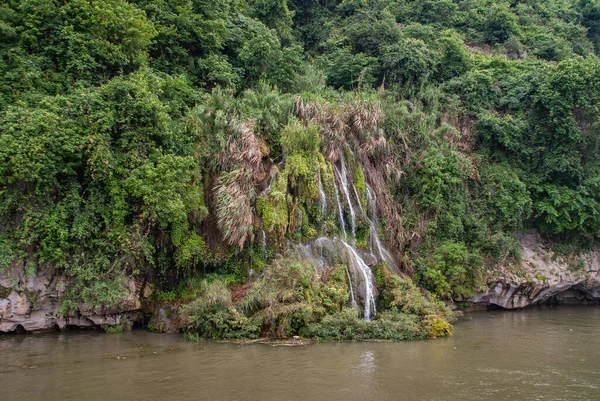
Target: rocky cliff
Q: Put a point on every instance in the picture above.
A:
(32, 304)
(543, 277)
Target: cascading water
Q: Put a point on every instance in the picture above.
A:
(358, 200)
(263, 245)
(323, 203)
(322, 199)
(324, 252)
(272, 178)
(343, 182)
(340, 211)
(356, 262)
(353, 303)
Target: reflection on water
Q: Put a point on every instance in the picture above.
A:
(545, 354)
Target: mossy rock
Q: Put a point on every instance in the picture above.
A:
(5, 291)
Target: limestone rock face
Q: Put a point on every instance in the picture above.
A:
(544, 277)
(33, 303)
(166, 320)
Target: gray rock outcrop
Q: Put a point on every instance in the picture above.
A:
(32, 303)
(542, 277)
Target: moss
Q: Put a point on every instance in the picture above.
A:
(361, 186)
(273, 211)
(31, 296)
(5, 291)
(308, 230)
(362, 236)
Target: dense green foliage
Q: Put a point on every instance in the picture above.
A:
(290, 300)
(156, 139)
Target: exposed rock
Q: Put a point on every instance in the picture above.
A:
(166, 320)
(544, 277)
(32, 303)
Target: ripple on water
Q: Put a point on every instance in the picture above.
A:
(526, 355)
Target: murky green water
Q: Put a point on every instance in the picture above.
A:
(545, 354)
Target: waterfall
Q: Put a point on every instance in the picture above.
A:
(374, 241)
(353, 303)
(340, 211)
(272, 178)
(263, 245)
(358, 200)
(356, 262)
(322, 199)
(343, 178)
(324, 253)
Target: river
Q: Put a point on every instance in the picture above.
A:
(533, 354)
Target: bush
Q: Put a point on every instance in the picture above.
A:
(346, 325)
(213, 314)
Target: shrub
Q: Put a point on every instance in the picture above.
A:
(346, 325)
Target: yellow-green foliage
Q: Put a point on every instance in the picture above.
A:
(436, 326)
(304, 163)
(213, 314)
(301, 147)
(400, 294)
(335, 291)
(361, 186)
(288, 297)
(302, 144)
(273, 210)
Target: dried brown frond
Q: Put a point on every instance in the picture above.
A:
(357, 126)
(244, 146)
(234, 193)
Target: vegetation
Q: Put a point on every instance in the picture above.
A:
(161, 139)
(290, 300)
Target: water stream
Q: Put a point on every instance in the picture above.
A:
(326, 252)
(343, 183)
(357, 264)
(340, 212)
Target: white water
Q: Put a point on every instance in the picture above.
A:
(356, 262)
(322, 199)
(343, 178)
(353, 303)
(325, 252)
(263, 245)
(356, 269)
(272, 178)
(358, 200)
(340, 211)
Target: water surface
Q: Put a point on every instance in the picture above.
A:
(536, 354)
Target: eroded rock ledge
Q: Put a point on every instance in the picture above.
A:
(32, 304)
(544, 277)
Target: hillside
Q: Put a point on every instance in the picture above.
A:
(283, 167)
